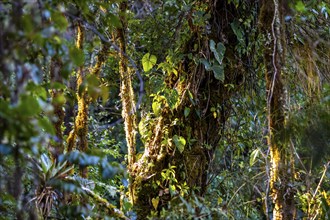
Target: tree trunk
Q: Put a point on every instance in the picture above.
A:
(81, 125)
(126, 93)
(281, 173)
(201, 92)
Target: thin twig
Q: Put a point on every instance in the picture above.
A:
(321, 180)
(235, 193)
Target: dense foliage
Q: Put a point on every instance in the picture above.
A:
(164, 109)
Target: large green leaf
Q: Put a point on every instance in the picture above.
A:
(218, 71)
(179, 142)
(156, 107)
(206, 63)
(238, 31)
(148, 61)
(218, 51)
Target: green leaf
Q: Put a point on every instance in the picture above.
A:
(155, 202)
(57, 85)
(59, 99)
(218, 51)
(186, 112)
(179, 142)
(172, 189)
(37, 90)
(46, 125)
(60, 20)
(29, 106)
(218, 71)
(300, 6)
(148, 61)
(45, 163)
(206, 63)
(77, 56)
(212, 46)
(114, 20)
(253, 156)
(221, 49)
(27, 22)
(237, 31)
(172, 98)
(156, 107)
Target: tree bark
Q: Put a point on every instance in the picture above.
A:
(126, 94)
(281, 173)
(81, 124)
(200, 91)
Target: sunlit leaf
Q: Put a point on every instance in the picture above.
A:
(59, 99)
(155, 202)
(254, 156)
(172, 97)
(179, 142)
(156, 107)
(300, 6)
(148, 61)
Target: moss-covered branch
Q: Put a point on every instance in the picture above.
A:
(126, 91)
(113, 211)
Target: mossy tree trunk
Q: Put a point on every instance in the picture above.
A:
(126, 92)
(80, 129)
(81, 122)
(204, 95)
(281, 173)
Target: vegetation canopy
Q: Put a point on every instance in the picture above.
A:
(164, 109)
